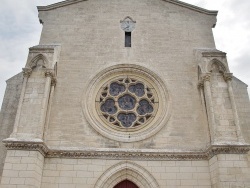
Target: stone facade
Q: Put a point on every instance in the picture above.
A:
(57, 136)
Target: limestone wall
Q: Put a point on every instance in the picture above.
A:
(22, 169)
(230, 170)
(72, 173)
(243, 106)
(92, 40)
(8, 112)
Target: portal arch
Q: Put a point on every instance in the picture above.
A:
(126, 171)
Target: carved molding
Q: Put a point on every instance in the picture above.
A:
(30, 146)
(137, 72)
(128, 154)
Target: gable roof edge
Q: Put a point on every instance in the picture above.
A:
(58, 5)
(193, 7)
(176, 2)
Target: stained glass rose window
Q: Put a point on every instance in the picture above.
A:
(127, 103)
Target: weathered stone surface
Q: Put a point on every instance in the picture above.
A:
(204, 131)
(8, 112)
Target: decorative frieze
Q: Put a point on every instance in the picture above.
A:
(128, 154)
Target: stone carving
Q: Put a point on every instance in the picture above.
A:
(228, 76)
(126, 154)
(27, 72)
(126, 103)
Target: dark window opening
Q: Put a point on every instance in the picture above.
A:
(127, 39)
(126, 184)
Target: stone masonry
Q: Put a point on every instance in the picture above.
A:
(52, 125)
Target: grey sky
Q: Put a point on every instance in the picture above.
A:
(20, 29)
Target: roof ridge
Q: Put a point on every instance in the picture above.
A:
(176, 2)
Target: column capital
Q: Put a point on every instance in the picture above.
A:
(206, 77)
(228, 76)
(49, 73)
(27, 72)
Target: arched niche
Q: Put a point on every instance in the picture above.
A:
(38, 62)
(216, 66)
(126, 171)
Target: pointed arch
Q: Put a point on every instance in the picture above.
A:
(40, 58)
(216, 65)
(126, 171)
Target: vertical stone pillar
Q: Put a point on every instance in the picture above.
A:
(49, 74)
(26, 74)
(228, 78)
(201, 89)
(210, 108)
(53, 84)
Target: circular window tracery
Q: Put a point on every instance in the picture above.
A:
(127, 103)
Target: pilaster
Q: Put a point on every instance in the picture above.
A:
(215, 77)
(39, 76)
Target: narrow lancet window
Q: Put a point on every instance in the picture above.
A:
(127, 39)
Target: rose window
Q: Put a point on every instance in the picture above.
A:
(127, 103)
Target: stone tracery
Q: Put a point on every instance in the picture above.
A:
(126, 102)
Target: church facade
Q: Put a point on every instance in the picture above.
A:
(125, 94)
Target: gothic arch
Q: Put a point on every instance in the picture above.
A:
(126, 170)
(218, 65)
(39, 59)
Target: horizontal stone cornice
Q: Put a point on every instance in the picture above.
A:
(43, 48)
(126, 154)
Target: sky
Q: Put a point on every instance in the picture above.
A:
(20, 29)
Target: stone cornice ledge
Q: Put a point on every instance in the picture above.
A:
(125, 154)
(26, 144)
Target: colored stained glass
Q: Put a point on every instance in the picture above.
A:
(115, 89)
(126, 102)
(138, 89)
(144, 107)
(127, 119)
(109, 106)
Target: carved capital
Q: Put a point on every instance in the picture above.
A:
(49, 73)
(206, 77)
(228, 76)
(27, 72)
